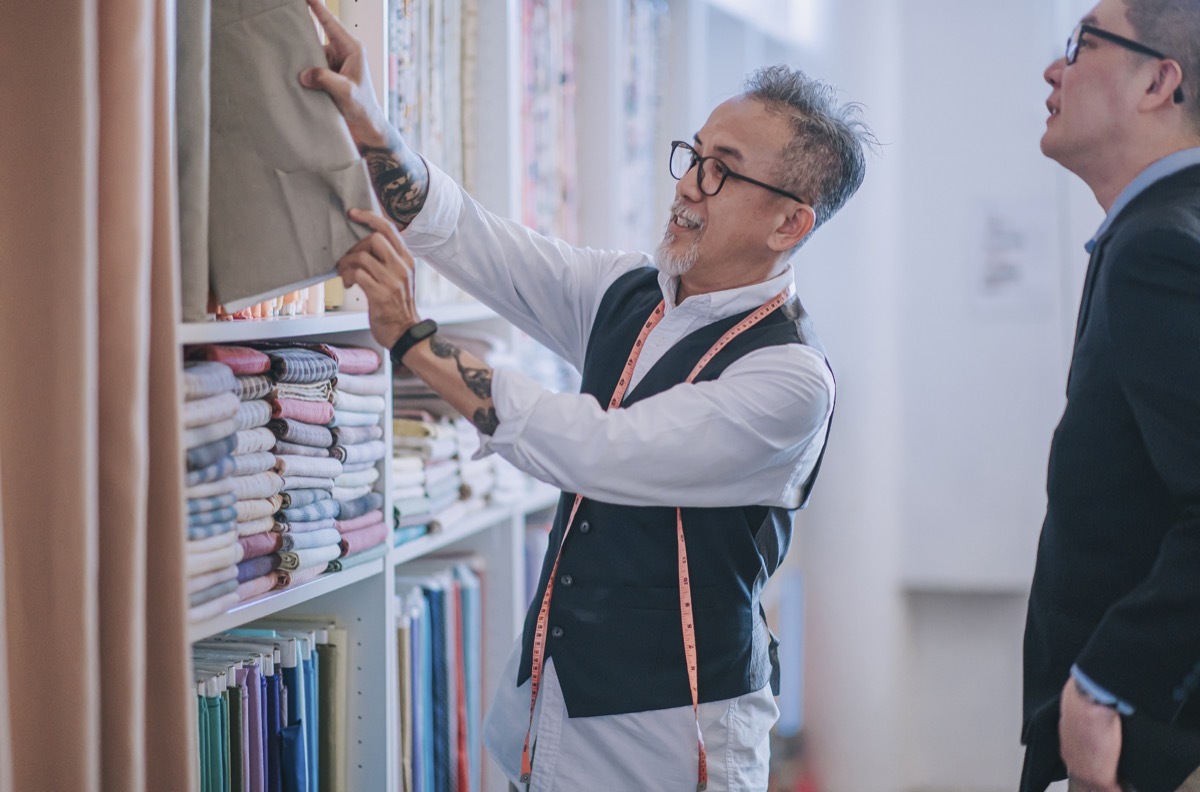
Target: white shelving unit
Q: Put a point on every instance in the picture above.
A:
(361, 598)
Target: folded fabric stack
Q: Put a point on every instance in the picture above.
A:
(478, 475)
(421, 442)
(511, 485)
(304, 537)
(208, 435)
(359, 405)
(255, 483)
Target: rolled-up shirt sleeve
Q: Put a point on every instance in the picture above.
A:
(751, 436)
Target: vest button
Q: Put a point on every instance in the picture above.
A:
(556, 632)
(585, 526)
(566, 580)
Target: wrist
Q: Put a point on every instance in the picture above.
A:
(410, 337)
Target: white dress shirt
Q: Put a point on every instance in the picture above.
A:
(766, 416)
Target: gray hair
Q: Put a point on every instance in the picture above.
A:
(825, 160)
(1172, 27)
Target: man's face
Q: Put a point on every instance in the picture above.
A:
(1093, 100)
(729, 229)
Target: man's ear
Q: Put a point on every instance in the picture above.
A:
(1167, 80)
(794, 228)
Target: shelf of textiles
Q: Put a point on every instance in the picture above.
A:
(440, 605)
(285, 445)
(272, 702)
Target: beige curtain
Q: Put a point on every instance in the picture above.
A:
(93, 647)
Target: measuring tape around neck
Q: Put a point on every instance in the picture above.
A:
(685, 585)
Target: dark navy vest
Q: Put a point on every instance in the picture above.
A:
(615, 631)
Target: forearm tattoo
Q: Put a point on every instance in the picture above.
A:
(477, 380)
(400, 178)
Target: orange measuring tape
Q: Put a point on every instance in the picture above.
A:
(685, 584)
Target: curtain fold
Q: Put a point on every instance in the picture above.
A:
(93, 618)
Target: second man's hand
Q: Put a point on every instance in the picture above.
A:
(383, 267)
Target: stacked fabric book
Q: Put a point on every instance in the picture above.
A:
(208, 435)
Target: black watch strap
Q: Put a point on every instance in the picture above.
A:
(413, 336)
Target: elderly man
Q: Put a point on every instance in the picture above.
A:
(646, 662)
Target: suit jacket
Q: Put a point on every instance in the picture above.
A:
(1117, 584)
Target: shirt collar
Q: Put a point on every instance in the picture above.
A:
(714, 306)
(1167, 166)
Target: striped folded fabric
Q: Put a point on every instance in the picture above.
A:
(311, 412)
(256, 526)
(371, 451)
(352, 401)
(284, 448)
(291, 560)
(353, 435)
(363, 384)
(288, 579)
(241, 360)
(252, 414)
(207, 379)
(248, 464)
(222, 515)
(357, 478)
(252, 441)
(317, 391)
(196, 533)
(351, 418)
(306, 482)
(217, 470)
(210, 409)
(255, 386)
(212, 593)
(282, 526)
(303, 366)
(288, 466)
(256, 567)
(360, 506)
(303, 540)
(196, 505)
(302, 497)
(210, 433)
(301, 433)
(320, 510)
(257, 586)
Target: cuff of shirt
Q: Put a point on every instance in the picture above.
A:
(439, 216)
(515, 396)
(1099, 694)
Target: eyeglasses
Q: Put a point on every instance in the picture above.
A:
(1133, 46)
(711, 172)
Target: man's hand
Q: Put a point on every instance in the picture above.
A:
(347, 81)
(383, 267)
(1090, 741)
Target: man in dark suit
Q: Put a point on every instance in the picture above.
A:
(1112, 641)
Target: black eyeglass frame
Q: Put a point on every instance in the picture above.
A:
(1081, 30)
(698, 162)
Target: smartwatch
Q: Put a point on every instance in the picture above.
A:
(413, 336)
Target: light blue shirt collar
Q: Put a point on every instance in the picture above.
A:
(1167, 166)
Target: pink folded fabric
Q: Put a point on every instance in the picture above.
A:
(361, 521)
(242, 360)
(363, 539)
(353, 360)
(288, 579)
(309, 412)
(256, 587)
(259, 544)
